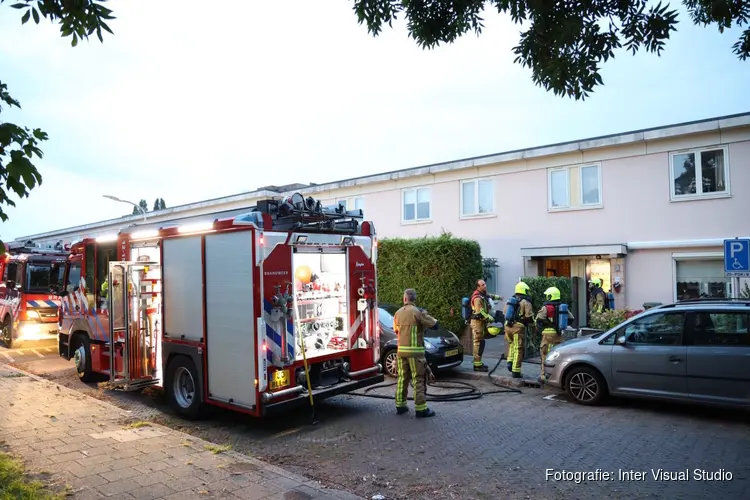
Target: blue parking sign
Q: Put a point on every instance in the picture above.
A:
(737, 257)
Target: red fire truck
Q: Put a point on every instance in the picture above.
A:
(28, 306)
(236, 313)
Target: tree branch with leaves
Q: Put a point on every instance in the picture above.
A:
(565, 42)
(18, 145)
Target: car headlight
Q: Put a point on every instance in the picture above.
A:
(428, 345)
(32, 315)
(553, 356)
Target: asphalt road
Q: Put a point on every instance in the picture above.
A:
(499, 446)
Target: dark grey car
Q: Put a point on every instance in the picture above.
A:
(697, 351)
(443, 350)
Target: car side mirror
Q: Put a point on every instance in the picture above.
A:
(621, 340)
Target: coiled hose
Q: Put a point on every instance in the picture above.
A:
(464, 390)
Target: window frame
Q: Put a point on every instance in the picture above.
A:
(598, 167)
(692, 257)
(699, 195)
(550, 171)
(476, 213)
(416, 219)
(351, 200)
(622, 331)
(690, 330)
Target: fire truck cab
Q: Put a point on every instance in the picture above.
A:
(28, 304)
(235, 313)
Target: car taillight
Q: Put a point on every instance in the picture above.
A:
(59, 315)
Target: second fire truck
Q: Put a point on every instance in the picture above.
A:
(255, 313)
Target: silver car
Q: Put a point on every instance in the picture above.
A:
(696, 351)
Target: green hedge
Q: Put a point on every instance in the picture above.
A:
(441, 269)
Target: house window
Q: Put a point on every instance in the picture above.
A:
(416, 204)
(701, 278)
(700, 172)
(559, 188)
(575, 187)
(477, 197)
(353, 203)
(591, 185)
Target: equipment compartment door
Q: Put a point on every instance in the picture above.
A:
(320, 301)
(230, 318)
(134, 323)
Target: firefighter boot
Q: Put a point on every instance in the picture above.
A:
(425, 413)
(516, 375)
(481, 368)
(402, 410)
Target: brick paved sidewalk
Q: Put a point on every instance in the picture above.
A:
(86, 445)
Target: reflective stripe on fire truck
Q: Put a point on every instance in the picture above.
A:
(355, 331)
(274, 337)
(41, 303)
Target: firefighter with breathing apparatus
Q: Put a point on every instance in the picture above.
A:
(598, 301)
(480, 317)
(519, 315)
(552, 319)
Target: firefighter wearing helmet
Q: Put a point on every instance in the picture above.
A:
(480, 317)
(547, 320)
(598, 298)
(519, 314)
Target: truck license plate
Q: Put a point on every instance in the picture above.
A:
(450, 353)
(279, 379)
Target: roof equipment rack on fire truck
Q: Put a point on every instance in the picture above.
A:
(297, 213)
(30, 248)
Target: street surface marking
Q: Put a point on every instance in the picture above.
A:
(8, 357)
(37, 353)
(48, 349)
(553, 397)
(285, 433)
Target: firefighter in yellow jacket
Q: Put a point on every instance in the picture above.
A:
(410, 322)
(516, 323)
(480, 317)
(547, 320)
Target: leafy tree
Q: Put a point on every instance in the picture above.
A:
(565, 41)
(159, 204)
(143, 204)
(18, 144)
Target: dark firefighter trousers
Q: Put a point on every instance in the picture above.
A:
(411, 369)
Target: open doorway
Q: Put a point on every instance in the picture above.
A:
(601, 269)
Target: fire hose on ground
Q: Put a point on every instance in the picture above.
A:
(470, 391)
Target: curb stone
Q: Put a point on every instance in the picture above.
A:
(201, 442)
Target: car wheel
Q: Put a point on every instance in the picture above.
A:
(390, 363)
(183, 388)
(585, 385)
(7, 333)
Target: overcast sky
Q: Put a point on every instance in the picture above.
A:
(187, 102)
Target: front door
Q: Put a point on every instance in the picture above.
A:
(134, 323)
(653, 358)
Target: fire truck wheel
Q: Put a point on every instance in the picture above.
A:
(82, 358)
(7, 334)
(182, 388)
